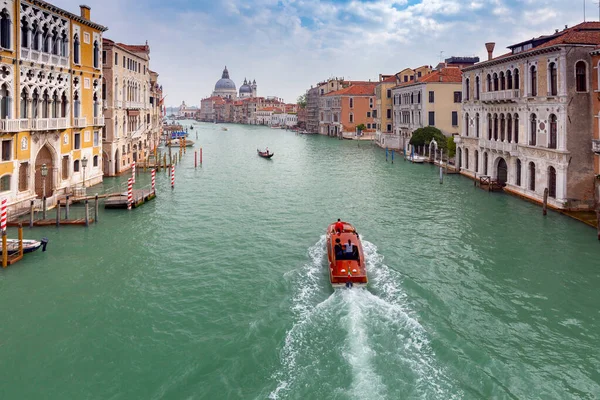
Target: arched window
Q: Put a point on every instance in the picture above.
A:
(476, 161)
(419, 98)
(76, 166)
(553, 79)
(24, 104)
(516, 118)
(46, 39)
(5, 101)
(509, 80)
(64, 104)
(467, 88)
(467, 124)
(477, 125)
(95, 161)
(489, 83)
(485, 163)
(96, 54)
(477, 88)
(518, 177)
(5, 183)
(551, 182)
(531, 176)
(24, 33)
(509, 128)
(533, 81)
(532, 130)
(553, 132)
(5, 29)
(76, 104)
(516, 78)
(502, 127)
(580, 76)
(65, 45)
(466, 158)
(76, 49)
(502, 81)
(95, 105)
(495, 82)
(490, 126)
(35, 104)
(55, 105)
(351, 118)
(55, 43)
(351, 102)
(495, 126)
(45, 104)
(35, 36)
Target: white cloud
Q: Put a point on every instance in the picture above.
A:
(287, 45)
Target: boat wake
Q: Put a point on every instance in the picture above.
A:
(358, 343)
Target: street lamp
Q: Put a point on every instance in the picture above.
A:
(44, 175)
(84, 162)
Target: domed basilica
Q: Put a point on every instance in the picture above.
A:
(225, 88)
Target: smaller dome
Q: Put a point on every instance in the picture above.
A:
(245, 88)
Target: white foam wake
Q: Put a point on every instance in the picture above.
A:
(358, 343)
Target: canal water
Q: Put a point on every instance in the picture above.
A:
(218, 289)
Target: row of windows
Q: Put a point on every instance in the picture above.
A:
(510, 79)
(503, 127)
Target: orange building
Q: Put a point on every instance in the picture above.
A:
(343, 110)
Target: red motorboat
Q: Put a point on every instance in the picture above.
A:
(346, 259)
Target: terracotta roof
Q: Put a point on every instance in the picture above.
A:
(142, 48)
(366, 89)
(444, 75)
(586, 33)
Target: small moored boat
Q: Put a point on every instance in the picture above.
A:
(346, 266)
(28, 245)
(179, 143)
(265, 154)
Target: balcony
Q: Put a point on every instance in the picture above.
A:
(46, 124)
(498, 146)
(44, 58)
(98, 121)
(14, 125)
(596, 146)
(500, 96)
(80, 122)
(133, 105)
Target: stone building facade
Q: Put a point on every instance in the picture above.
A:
(50, 101)
(527, 118)
(129, 133)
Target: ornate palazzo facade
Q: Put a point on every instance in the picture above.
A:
(50, 100)
(527, 120)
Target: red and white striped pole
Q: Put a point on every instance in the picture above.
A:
(154, 181)
(172, 177)
(3, 215)
(133, 171)
(129, 193)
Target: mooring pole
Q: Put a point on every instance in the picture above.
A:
(87, 213)
(44, 207)
(195, 159)
(598, 221)
(386, 154)
(31, 214)
(441, 175)
(67, 208)
(58, 214)
(4, 250)
(20, 239)
(392, 156)
(545, 205)
(96, 210)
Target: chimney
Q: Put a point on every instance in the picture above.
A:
(490, 49)
(85, 11)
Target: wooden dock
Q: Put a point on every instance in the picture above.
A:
(52, 222)
(489, 184)
(119, 201)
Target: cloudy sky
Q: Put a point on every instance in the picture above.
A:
(287, 45)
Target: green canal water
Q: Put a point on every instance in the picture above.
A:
(218, 289)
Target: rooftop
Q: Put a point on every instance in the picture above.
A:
(360, 89)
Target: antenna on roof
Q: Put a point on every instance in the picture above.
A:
(583, 10)
(598, 2)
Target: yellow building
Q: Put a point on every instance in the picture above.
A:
(50, 101)
(384, 117)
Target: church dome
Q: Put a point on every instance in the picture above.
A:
(245, 88)
(225, 83)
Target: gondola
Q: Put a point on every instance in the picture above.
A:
(264, 154)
